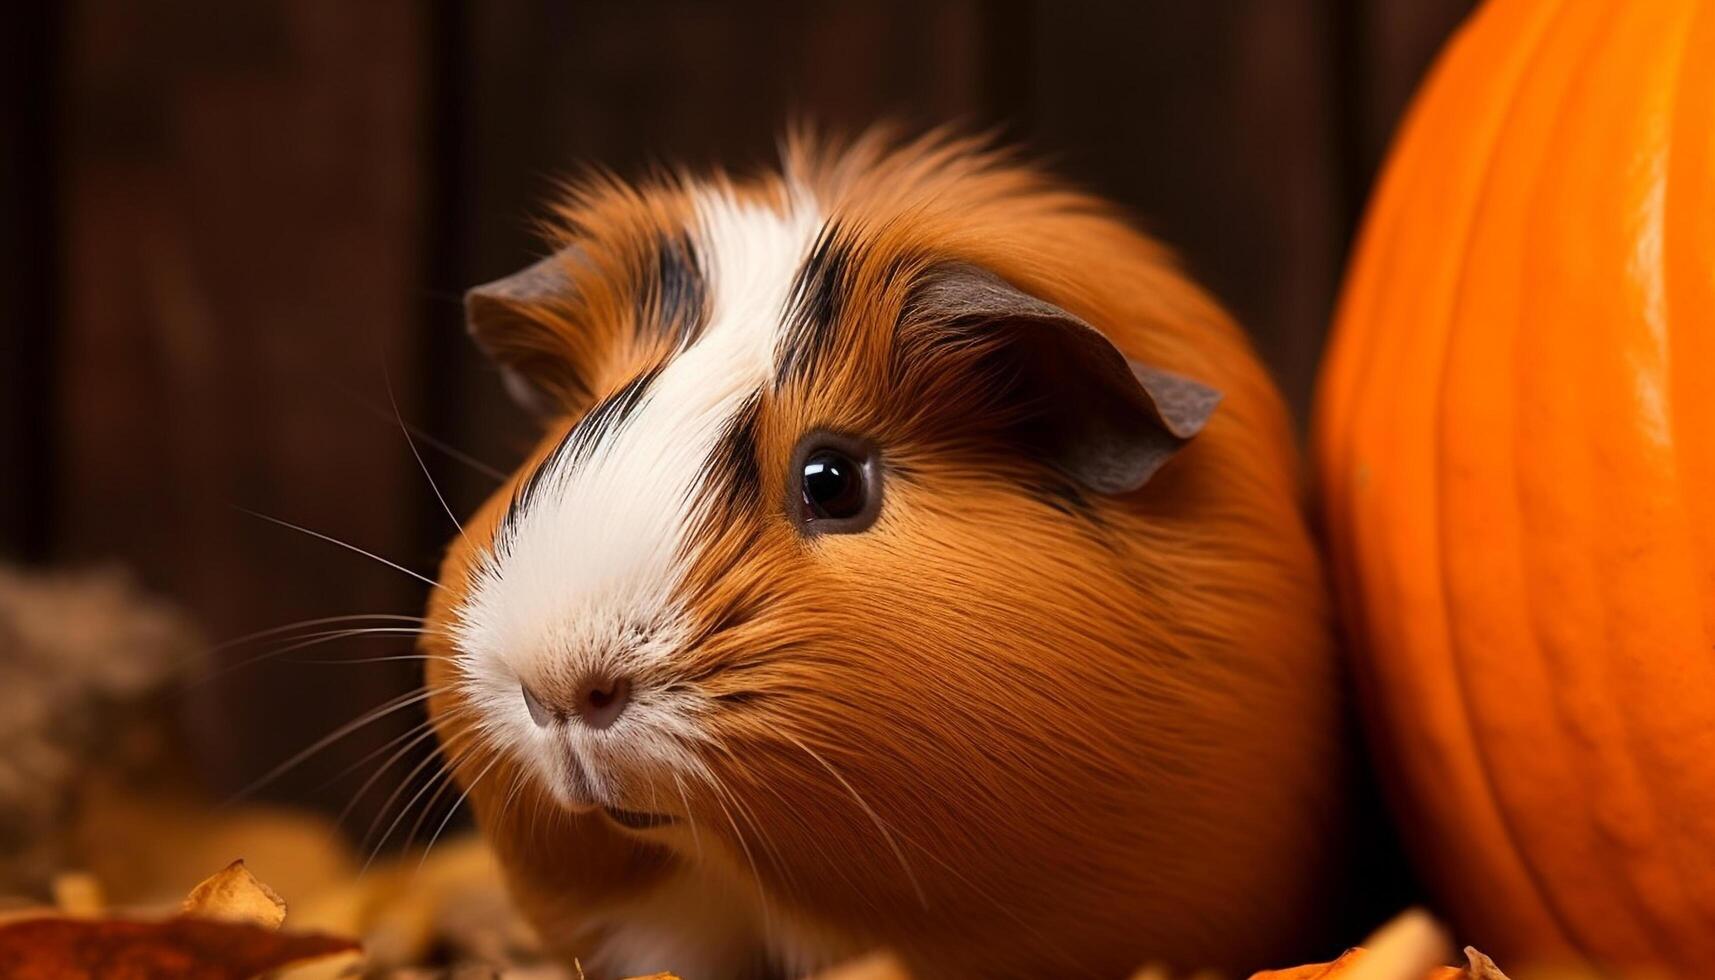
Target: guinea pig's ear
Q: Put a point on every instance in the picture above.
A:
(1106, 421)
(507, 320)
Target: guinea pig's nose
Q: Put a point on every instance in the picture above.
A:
(601, 699)
(598, 702)
(540, 713)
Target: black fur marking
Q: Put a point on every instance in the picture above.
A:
(740, 699)
(608, 414)
(818, 297)
(1063, 495)
(733, 464)
(672, 297)
(581, 440)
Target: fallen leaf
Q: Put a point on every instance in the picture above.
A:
(1480, 967)
(1411, 947)
(121, 949)
(233, 894)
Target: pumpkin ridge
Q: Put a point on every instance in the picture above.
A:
(1556, 484)
(1657, 612)
(1627, 557)
(1692, 156)
(1536, 47)
(1379, 373)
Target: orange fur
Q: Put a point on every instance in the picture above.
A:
(1002, 740)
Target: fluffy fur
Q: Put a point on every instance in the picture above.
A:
(1014, 728)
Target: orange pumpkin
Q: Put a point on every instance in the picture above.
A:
(1515, 438)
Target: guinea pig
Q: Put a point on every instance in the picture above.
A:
(914, 559)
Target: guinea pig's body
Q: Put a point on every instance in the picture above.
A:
(915, 560)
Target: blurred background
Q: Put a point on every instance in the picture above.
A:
(232, 230)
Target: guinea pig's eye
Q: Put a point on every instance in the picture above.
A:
(835, 484)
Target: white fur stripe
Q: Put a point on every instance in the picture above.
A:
(589, 575)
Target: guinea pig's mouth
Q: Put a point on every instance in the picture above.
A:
(583, 798)
(636, 820)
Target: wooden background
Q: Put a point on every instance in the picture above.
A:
(229, 227)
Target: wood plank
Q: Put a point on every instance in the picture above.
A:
(242, 217)
(1395, 42)
(29, 50)
(552, 87)
(1214, 124)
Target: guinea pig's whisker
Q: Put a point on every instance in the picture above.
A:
(755, 872)
(439, 781)
(505, 810)
(374, 754)
(519, 779)
(306, 641)
(790, 808)
(535, 823)
(766, 843)
(869, 811)
(445, 778)
(781, 866)
(387, 377)
(320, 621)
(454, 809)
(413, 737)
(1049, 940)
(439, 776)
(431, 583)
(691, 818)
(455, 454)
(724, 792)
(436, 779)
(370, 660)
(558, 816)
(201, 655)
(369, 717)
(793, 808)
(423, 435)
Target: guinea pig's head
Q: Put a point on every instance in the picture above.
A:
(891, 547)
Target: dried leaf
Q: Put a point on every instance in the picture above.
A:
(1411, 947)
(1480, 967)
(1312, 971)
(118, 949)
(233, 894)
(1360, 964)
